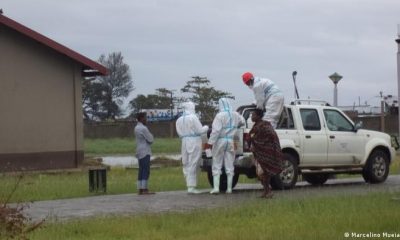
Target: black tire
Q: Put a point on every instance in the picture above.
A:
(376, 170)
(223, 180)
(288, 177)
(316, 178)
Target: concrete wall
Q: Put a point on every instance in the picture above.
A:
(40, 105)
(124, 129)
(167, 129)
(374, 123)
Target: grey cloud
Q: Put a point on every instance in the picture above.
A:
(167, 41)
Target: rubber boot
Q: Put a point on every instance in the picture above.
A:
(230, 180)
(193, 190)
(216, 185)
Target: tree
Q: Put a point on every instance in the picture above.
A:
(92, 99)
(115, 87)
(163, 99)
(204, 96)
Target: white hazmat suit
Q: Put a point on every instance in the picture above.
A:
(270, 97)
(190, 130)
(224, 128)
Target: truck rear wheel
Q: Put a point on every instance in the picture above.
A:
(223, 181)
(288, 177)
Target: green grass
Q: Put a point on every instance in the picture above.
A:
(47, 186)
(115, 146)
(395, 166)
(37, 186)
(307, 218)
(50, 186)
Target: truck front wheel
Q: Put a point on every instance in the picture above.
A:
(376, 169)
(288, 177)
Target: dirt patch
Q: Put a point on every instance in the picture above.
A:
(163, 161)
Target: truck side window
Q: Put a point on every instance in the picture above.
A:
(310, 119)
(247, 117)
(336, 121)
(286, 119)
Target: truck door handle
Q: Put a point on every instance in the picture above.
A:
(308, 136)
(331, 136)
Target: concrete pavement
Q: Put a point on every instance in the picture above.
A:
(130, 204)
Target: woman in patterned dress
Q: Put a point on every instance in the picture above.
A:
(266, 150)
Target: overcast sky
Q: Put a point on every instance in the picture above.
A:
(165, 42)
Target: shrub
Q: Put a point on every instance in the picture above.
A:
(13, 223)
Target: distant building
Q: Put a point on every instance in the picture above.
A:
(392, 104)
(361, 109)
(41, 124)
(157, 115)
(390, 107)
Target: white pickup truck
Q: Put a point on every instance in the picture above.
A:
(317, 141)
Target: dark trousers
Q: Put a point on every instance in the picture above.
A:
(144, 168)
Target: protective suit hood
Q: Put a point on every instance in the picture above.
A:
(224, 105)
(188, 108)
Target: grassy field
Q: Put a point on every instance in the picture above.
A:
(395, 166)
(116, 146)
(280, 218)
(47, 186)
(39, 186)
(308, 218)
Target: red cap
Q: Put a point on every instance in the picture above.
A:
(247, 76)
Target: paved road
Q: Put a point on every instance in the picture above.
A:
(128, 204)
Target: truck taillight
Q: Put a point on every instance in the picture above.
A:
(246, 142)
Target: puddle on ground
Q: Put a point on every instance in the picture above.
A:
(129, 161)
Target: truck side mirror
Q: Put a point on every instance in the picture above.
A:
(358, 125)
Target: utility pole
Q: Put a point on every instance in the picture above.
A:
(171, 125)
(382, 112)
(335, 77)
(296, 93)
(398, 74)
(171, 106)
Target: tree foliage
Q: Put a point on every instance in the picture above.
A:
(204, 96)
(92, 98)
(162, 99)
(103, 96)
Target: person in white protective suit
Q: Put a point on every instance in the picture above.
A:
(190, 130)
(224, 128)
(268, 96)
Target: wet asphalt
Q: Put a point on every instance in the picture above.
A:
(180, 201)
